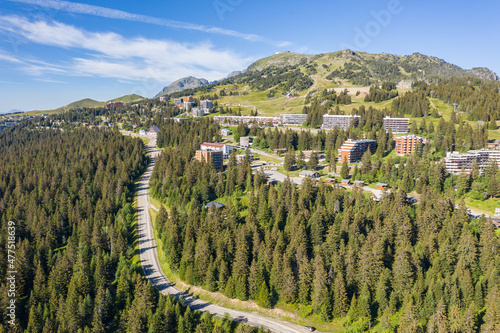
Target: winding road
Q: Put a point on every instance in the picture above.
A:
(153, 272)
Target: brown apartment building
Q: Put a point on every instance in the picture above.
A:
(407, 144)
(353, 150)
(207, 155)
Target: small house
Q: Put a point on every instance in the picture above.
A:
(382, 186)
(359, 183)
(225, 132)
(272, 182)
(280, 151)
(331, 181)
(310, 174)
(153, 130)
(345, 182)
(214, 205)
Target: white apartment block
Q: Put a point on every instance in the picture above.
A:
(340, 121)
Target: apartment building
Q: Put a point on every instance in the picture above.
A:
(408, 144)
(213, 146)
(353, 150)
(207, 155)
(293, 118)
(247, 119)
(455, 161)
(188, 105)
(397, 125)
(179, 102)
(340, 121)
(198, 112)
(206, 104)
(110, 105)
(164, 99)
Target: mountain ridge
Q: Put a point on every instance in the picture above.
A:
(188, 82)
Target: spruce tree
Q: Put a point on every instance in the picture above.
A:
(344, 171)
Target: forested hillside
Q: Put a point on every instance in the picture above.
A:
(70, 195)
(339, 256)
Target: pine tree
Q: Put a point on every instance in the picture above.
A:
(344, 171)
(263, 298)
(320, 288)
(340, 304)
(492, 316)
(408, 322)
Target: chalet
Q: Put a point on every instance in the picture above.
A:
(331, 181)
(153, 130)
(225, 132)
(345, 182)
(382, 186)
(280, 151)
(310, 174)
(272, 182)
(359, 183)
(214, 205)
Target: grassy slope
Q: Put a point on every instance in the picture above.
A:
(87, 102)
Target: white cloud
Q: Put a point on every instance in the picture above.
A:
(50, 81)
(115, 56)
(81, 8)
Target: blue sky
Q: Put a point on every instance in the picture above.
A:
(55, 52)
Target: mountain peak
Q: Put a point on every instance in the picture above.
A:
(189, 82)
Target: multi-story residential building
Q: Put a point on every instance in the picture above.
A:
(211, 155)
(456, 161)
(407, 144)
(109, 105)
(188, 106)
(397, 125)
(212, 146)
(340, 121)
(198, 112)
(247, 119)
(293, 118)
(206, 104)
(178, 102)
(245, 141)
(188, 98)
(164, 99)
(353, 150)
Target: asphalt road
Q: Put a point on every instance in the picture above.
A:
(153, 272)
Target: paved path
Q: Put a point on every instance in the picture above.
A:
(260, 152)
(153, 272)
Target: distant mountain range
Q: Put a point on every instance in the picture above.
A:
(89, 103)
(347, 66)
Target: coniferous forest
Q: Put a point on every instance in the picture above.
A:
(340, 256)
(70, 195)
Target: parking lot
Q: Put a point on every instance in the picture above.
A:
(281, 177)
